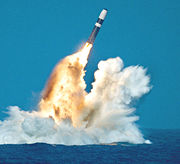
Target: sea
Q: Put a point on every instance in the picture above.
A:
(165, 148)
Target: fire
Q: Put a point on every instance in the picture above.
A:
(64, 94)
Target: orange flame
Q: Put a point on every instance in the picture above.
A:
(63, 96)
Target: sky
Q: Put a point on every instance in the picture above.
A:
(36, 34)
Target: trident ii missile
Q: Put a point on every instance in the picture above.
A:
(97, 26)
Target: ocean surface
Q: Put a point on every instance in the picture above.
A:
(165, 148)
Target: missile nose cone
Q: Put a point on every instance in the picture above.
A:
(103, 14)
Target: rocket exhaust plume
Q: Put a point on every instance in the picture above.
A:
(69, 115)
(64, 94)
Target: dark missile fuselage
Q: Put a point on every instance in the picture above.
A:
(97, 26)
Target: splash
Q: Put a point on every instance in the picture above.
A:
(68, 115)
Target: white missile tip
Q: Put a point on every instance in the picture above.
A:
(103, 14)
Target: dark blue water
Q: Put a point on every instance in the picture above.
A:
(164, 149)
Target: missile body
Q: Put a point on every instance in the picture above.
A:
(97, 26)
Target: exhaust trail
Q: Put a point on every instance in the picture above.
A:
(63, 96)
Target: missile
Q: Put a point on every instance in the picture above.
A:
(97, 26)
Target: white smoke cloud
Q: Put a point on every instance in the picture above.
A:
(107, 116)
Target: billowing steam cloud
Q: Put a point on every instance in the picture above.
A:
(68, 115)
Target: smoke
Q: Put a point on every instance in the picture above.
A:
(71, 116)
